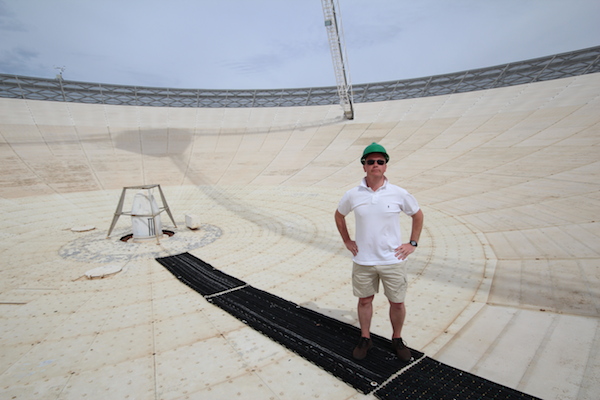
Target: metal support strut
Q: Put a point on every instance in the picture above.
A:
(119, 211)
(335, 34)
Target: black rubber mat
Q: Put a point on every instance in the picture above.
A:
(431, 379)
(322, 340)
(198, 275)
(328, 342)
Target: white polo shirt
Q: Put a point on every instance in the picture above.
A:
(377, 216)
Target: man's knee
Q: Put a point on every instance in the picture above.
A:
(365, 301)
(398, 306)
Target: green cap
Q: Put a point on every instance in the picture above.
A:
(374, 148)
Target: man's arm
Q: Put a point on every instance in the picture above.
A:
(407, 249)
(340, 222)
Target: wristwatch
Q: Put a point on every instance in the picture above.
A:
(412, 242)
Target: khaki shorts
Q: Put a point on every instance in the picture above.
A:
(365, 281)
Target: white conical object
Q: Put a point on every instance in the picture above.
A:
(145, 217)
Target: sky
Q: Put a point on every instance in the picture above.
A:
(274, 44)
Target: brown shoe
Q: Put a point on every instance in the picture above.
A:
(401, 350)
(360, 351)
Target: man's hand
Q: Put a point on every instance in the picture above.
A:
(404, 251)
(351, 245)
(340, 222)
(407, 249)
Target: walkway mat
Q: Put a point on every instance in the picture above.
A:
(328, 343)
(198, 275)
(430, 379)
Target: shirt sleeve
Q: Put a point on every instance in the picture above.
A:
(409, 204)
(345, 206)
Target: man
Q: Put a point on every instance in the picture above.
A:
(378, 252)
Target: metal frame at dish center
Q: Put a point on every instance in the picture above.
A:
(119, 211)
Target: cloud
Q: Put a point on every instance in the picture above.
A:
(19, 61)
(8, 22)
(254, 65)
(280, 44)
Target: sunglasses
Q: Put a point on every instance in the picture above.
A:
(371, 162)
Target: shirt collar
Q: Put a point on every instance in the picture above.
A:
(363, 184)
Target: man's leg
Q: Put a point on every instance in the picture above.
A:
(365, 314)
(365, 283)
(397, 315)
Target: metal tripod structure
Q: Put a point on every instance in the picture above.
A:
(335, 33)
(119, 211)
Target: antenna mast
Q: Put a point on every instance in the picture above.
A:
(335, 33)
